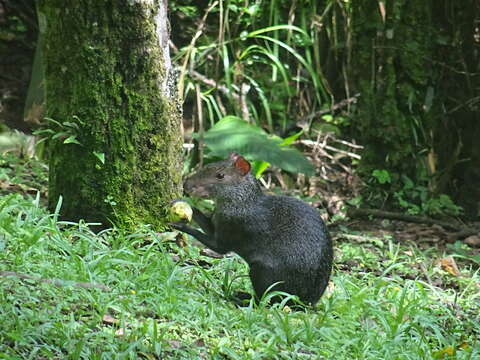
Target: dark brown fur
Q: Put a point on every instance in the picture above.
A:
(281, 238)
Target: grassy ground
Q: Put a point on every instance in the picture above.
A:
(158, 300)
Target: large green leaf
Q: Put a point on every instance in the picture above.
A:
(232, 134)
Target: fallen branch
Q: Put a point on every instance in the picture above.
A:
(55, 282)
(339, 105)
(328, 147)
(209, 82)
(356, 213)
(358, 238)
(355, 146)
(333, 159)
(464, 233)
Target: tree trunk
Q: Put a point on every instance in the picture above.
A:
(457, 131)
(394, 75)
(116, 156)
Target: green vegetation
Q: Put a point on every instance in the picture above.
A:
(232, 134)
(382, 97)
(412, 198)
(396, 76)
(387, 300)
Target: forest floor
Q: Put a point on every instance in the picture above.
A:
(398, 291)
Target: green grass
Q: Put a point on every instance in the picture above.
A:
(170, 302)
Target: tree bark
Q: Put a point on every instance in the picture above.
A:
(109, 87)
(457, 131)
(392, 71)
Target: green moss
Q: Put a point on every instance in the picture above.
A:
(104, 65)
(393, 74)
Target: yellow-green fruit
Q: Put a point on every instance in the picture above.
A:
(180, 211)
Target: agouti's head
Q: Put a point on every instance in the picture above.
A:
(220, 178)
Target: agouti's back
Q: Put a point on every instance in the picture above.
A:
(282, 239)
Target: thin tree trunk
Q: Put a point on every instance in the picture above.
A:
(457, 131)
(394, 75)
(109, 88)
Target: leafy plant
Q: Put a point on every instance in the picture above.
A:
(382, 176)
(257, 61)
(440, 205)
(413, 198)
(66, 131)
(232, 134)
(417, 199)
(26, 175)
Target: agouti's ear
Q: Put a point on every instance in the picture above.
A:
(242, 165)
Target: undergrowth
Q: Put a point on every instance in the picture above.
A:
(144, 296)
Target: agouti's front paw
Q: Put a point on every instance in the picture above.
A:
(180, 226)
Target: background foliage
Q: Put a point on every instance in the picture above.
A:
(286, 65)
(400, 78)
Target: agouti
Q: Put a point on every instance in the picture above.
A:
(281, 238)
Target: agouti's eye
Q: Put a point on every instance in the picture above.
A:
(220, 176)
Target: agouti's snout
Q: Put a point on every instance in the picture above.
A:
(191, 187)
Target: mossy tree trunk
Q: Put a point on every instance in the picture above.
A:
(392, 71)
(109, 88)
(457, 131)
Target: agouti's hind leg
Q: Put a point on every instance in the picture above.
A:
(242, 299)
(263, 278)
